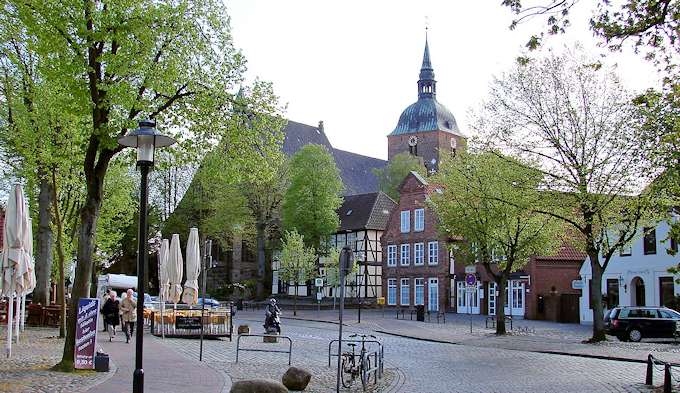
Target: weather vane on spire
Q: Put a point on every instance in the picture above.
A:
(427, 24)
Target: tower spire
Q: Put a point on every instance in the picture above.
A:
(426, 82)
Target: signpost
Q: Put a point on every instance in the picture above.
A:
(470, 287)
(346, 262)
(86, 332)
(318, 282)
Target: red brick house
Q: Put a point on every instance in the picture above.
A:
(416, 264)
(419, 269)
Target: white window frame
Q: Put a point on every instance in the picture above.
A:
(405, 219)
(391, 296)
(392, 255)
(419, 220)
(418, 254)
(404, 285)
(433, 257)
(419, 285)
(405, 254)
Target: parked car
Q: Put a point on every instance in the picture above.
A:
(208, 302)
(635, 323)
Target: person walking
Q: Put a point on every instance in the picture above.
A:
(106, 297)
(111, 310)
(129, 309)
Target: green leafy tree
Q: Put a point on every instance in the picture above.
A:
(314, 195)
(331, 264)
(490, 201)
(578, 124)
(391, 176)
(298, 262)
(650, 26)
(119, 61)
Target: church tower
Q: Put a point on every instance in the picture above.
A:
(426, 128)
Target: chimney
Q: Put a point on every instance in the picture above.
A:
(321, 125)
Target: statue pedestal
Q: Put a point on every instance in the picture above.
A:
(270, 339)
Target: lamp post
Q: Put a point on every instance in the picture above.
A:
(146, 139)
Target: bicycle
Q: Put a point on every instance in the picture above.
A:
(356, 365)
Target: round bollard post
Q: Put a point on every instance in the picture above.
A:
(650, 371)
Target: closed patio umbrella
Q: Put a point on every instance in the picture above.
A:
(175, 270)
(163, 278)
(18, 277)
(190, 295)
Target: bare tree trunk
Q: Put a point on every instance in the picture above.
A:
(43, 266)
(501, 284)
(596, 298)
(261, 260)
(295, 299)
(89, 214)
(61, 289)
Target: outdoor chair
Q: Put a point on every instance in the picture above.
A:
(34, 315)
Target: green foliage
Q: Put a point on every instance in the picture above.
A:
(310, 203)
(391, 176)
(331, 264)
(298, 262)
(490, 201)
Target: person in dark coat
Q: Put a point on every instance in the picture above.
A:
(111, 311)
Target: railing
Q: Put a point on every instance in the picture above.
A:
(289, 351)
(379, 354)
(666, 367)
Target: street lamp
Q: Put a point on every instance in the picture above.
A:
(146, 139)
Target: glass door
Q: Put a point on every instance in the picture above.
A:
(433, 295)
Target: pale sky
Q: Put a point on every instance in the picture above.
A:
(354, 64)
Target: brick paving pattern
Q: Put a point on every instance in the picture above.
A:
(417, 366)
(28, 370)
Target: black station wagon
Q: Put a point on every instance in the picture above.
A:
(635, 323)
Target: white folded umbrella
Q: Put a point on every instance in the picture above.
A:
(175, 270)
(18, 277)
(190, 295)
(163, 268)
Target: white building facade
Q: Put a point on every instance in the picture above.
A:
(637, 275)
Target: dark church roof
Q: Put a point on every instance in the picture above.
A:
(365, 211)
(356, 170)
(426, 114)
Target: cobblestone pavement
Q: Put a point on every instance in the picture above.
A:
(418, 366)
(28, 370)
(528, 335)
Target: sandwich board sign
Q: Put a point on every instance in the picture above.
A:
(86, 332)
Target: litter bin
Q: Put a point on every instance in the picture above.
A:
(420, 313)
(101, 362)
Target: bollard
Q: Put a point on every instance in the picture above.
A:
(667, 378)
(650, 371)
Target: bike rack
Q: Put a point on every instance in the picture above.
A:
(289, 351)
(378, 355)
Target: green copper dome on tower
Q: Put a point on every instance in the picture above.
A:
(426, 114)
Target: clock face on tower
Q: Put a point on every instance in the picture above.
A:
(413, 140)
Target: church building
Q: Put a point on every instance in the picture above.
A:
(426, 128)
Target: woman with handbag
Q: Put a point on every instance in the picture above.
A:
(111, 311)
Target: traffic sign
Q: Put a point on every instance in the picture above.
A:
(470, 279)
(577, 284)
(318, 282)
(470, 269)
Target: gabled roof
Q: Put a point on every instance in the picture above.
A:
(365, 211)
(417, 176)
(356, 170)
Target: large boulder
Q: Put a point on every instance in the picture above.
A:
(258, 386)
(296, 378)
